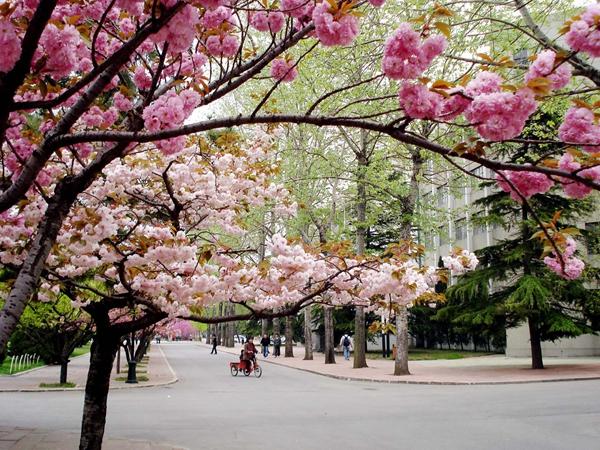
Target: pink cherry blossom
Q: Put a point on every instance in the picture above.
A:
(225, 45)
(10, 45)
(419, 102)
(526, 183)
(331, 30)
(215, 17)
(455, 105)
(405, 57)
(60, 47)
(297, 8)
(484, 83)
(502, 115)
(180, 31)
(377, 3)
(580, 128)
(584, 34)
(544, 67)
(573, 266)
(283, 70)
(572, 188)
(267, 21)
(212, 4)
(121, 102)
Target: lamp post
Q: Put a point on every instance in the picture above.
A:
(131, 363)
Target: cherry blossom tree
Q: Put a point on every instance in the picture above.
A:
(110, 190)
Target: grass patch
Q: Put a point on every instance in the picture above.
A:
(68, 384)
(139, 378)
(432, 354)
(81, 350)
(5, 366)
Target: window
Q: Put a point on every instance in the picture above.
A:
(479, 228)
(460, 230)
(479, 171)
(593, 238)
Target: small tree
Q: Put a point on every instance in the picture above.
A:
(52, 330)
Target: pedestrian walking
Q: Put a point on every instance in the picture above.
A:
(346, 344)
(276, 346)
(213, 341)
(265, 342)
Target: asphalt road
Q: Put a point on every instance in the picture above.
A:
(292, 410)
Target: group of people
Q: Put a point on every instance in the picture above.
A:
(249, 349)
(265, 342)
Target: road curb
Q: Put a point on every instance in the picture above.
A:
(173, 380)
(422, 382)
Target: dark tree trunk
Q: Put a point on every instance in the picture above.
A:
(63, 371)
(360, 356)
(329, 345)
(537, 361)
(103, 351)
(308, 344)
(289, 338)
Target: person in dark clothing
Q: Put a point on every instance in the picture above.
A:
(265, 342)
(213, 341)
(276, 346)
(249, 353)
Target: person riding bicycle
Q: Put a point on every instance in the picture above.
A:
(249, 353)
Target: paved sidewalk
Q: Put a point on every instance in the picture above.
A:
(32, 439)
(159, 373)
(494, 369)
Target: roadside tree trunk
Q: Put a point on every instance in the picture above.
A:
(537, 361)
(360, 339)
(329, 345)
(264, 327)
(289, 337)
(64, 364)
(408, 210)
(103, 351)
(308, 344)
(360, 357)
(401, 362)
(276, 326)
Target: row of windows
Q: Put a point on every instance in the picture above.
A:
(460, 233)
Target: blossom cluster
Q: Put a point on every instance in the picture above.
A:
(573, 266)
(169, 111)
(525, 183)
(580, 128)
(406, 57)
(584, 34)
(545, 66)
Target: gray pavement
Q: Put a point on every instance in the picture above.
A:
(290, 409)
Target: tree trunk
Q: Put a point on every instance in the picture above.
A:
(231, 328)
(536, 344)
(401, 362)
(103, 351)
(329, 345)
(276, 325)
(63, 371)
(360, 356)
(289, 337)
(264, 327)
(308, 344)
